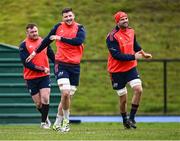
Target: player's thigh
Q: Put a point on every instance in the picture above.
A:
(118, 80)
(74, 76)
(44, 82)
(74, 79)
(32, 86)
(44, 89)
(133, 79)
(63, 81)
(73, 90)
(37, 100)
(45, 94)
(118, 83)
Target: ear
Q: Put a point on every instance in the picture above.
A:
(73, 14)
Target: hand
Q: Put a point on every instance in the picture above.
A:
(46, 70)
(138, 55)
(31, 56)
(146, 55)
(55, 37)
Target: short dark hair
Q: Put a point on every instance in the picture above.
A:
(30, 25)
(66, 10)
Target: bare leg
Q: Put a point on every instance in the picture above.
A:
(37, 100)
(123, 110)
(135, 104)
(123, 103)
(137, 94)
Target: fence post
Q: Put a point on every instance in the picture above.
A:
(165, 86)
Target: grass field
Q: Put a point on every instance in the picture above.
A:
(93, 131)
(156, 24)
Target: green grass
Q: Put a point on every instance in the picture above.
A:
(156, 24)
(95, 94)
(93, 131)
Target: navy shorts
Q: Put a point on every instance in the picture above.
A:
(70, 71)
(34, 85)
(120, 79)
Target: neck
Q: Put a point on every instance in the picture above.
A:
(31, 39)
(122, 28)
(70, 24)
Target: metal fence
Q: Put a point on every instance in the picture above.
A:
(168, 67)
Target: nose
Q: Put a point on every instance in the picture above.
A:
(126, 20)
(34, 34)
(69, 18)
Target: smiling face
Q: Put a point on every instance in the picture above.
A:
(68, 17)
(32, 33)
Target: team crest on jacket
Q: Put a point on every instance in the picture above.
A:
(115, 85)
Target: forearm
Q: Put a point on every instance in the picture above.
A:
(23, 54)
(78, 40)
(47, 41)
(73, 41)
(50, 54)
(116, 53)
(123, 57)
(33, 67)
(137, 47)
(43, 44)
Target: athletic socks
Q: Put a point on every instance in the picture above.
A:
(124, 116)
(58, 120)
(40, 110)
(66, 114)
(45, 110)
(133, 111)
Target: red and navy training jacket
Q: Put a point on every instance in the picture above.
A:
(70, 47)
(122, 46)
(34, 68)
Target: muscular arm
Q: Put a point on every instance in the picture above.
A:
(78, 40)
(23, 53)
(113, 48)
(137, 47)
(50, 54)
(46, 42)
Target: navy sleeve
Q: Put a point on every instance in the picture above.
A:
(50, 54)
(113, 48)
(46, 42)
(137, 47)
(78, 40)
(23, 52)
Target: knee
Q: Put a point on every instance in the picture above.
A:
(122, 92)
(73, 90)
(38, 104)
(64, 86)
(138, 90)
(123, 101)
(66, 94)
(45, 100)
